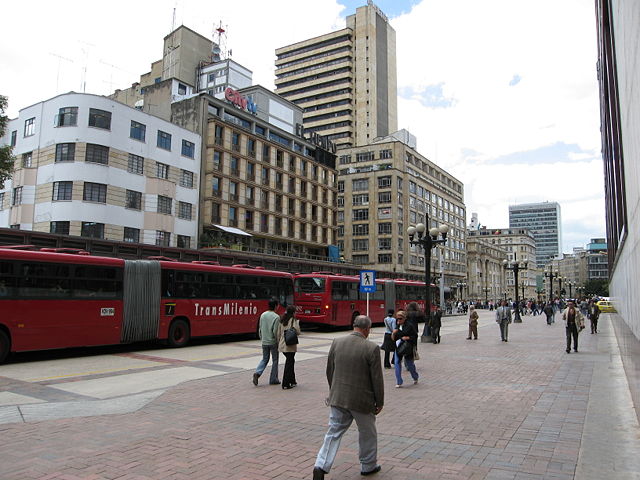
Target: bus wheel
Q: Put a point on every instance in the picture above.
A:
(5, 346)
(179, 334)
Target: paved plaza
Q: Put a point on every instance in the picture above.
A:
(483, 409)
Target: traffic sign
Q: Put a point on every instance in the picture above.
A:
(367, 281)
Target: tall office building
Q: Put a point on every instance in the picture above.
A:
(344, 81)
(543, 220)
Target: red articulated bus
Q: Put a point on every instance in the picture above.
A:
(51, 300)
(326, 298)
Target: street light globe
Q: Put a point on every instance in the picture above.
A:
(434, 232)
(411, 231)
(443, 229)
(505, 262)
(420, 228)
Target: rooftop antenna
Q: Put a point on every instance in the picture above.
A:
(85, 67)
(219, 44)
(173, 20)
(60, 58)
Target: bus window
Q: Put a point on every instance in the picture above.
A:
(42, 280)
(309, 285)
(340, 290)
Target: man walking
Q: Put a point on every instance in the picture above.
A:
(573, 322)
(356, 391)
(548, 311)
(268, 331)
(594, 314)
(503, 318)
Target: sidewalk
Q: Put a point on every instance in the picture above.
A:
(483, 410)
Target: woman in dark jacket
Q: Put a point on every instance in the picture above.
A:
(405, 333)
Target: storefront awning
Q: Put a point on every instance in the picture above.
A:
(235, 231)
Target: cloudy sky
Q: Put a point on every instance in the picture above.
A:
(501, 93)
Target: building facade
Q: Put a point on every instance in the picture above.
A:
(519, 245)
(345, 81)
(544, 222)
(384, 188)
(486, 276)
(91, 166)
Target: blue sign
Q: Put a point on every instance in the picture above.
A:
(367, 281)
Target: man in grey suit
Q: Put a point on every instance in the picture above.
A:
(356, 391)
(503, 318)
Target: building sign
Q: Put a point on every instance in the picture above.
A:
(240, 100)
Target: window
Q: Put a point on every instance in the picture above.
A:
(215, 213)
(216, 186)
(26, 159)
(361, 229)
(360, 259)
(260, 130)
(164, 140)
(186, 179)
(67, 117)
(248, 220)
(131, 235)
(219, 135)
(61, 228)
(360, 184)
(384, 197)
(384, 244)
(134, 200)
(95, 192)
(233, 216)
(384, 229)
(30, 127)
(384, 182)
(384, 258)
(14, 138)
(340, 201)
(164, 204)
(65, 152)
(361, 199)
(1, 200)
(234, 166)
(264, 223)
(162, 170)
(233, 191)
(385, 154)
(138, 131)
(184, 241)
(163, 239)
(97, 154)
(92, 229)
(265, 176)
(361, 214)
(62, 191)
(360, 245)
(185, 210)
(266, 153)
(251, 171)
(188, 149)
(136, 164)
(99, 118)
(341, 186)
(182, 89)
(16, 198)
(364, 156)
(249, 195)
(217, 160)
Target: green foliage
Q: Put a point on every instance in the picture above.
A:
(6, 151)
(596, 287)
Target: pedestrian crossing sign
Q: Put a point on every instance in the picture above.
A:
(367, 281)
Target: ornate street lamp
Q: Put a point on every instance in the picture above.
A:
(486, 295)
(571, 284)
(550, 274)
(460, 286)
(560, 280)
(516, 267)
(427, 242)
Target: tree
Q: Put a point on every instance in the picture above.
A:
(6, 151)
(596, 287)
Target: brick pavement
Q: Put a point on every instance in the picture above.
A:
(483, 410)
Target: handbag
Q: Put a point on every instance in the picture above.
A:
(290, 335)
(405, 348)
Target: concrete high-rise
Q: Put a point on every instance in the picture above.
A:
(345, 81)
(543, 220)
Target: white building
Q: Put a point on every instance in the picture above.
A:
(89, 165)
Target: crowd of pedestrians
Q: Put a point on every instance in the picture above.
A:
(354, 368)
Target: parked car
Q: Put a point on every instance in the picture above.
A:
(606, 306)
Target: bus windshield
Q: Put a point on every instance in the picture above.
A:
(309, 285)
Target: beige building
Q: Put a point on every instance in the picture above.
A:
(486, 275)
(384, 188)
(345, 81)
(519, 245)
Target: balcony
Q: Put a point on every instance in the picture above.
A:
(233, 197)
(251, 153)
(235, 147)
(249, 201)
(235, 172)
(219, 141)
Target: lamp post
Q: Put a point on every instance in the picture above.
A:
(515, 268)
(427, 242)
(571, 284)
(560, 279)
(550, 274)
(461, 286)
(486, 293)
(505, 295)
